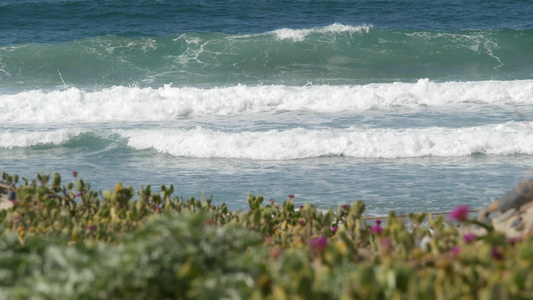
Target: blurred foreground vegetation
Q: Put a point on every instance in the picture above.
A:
(66, 241)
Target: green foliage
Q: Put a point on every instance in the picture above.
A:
(66, 241)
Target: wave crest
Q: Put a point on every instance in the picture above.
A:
(502, 139)
(122, 103)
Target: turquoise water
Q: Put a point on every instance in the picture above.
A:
(336, 54)
(407, 105)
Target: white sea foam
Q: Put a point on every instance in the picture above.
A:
(299, 35)
(168, 103)
(501, 139)
(13, 139)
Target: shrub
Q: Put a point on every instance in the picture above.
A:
(70, 242)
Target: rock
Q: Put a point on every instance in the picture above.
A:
(515, 198)
(515, 223)
(512, 214)
(4, 189)
(502, 217)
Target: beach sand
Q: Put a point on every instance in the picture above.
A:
(4, 202)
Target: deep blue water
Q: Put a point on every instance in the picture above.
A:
(61, 21)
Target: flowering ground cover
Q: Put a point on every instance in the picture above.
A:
(67, 241)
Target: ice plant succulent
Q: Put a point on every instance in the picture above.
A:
(309, 245)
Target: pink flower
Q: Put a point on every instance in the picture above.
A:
(79, 194)
(455, 250)
(319, 244)
(276, 251)
(75, 174)
(345, 206)
(91, 227)
(301, 221)
(334, 229)
(460, 213)
(469, 237)
(386, 244)
(271, 200)
(291, 196)
(378, 222)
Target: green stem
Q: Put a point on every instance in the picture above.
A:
(488, 227)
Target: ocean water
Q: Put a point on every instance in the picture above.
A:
(408, 105)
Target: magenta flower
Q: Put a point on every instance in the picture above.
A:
(157, 208)
(75, 174)
(376, 229)
(301, 221)
(515, 240)
(334, 229)
(345, 206)
(319, 244)
(291, 196)
(271, 200)
(79, 194)
(301, 207)
(469, 237)
(497, 253)
(460, 213)
(91, 227)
